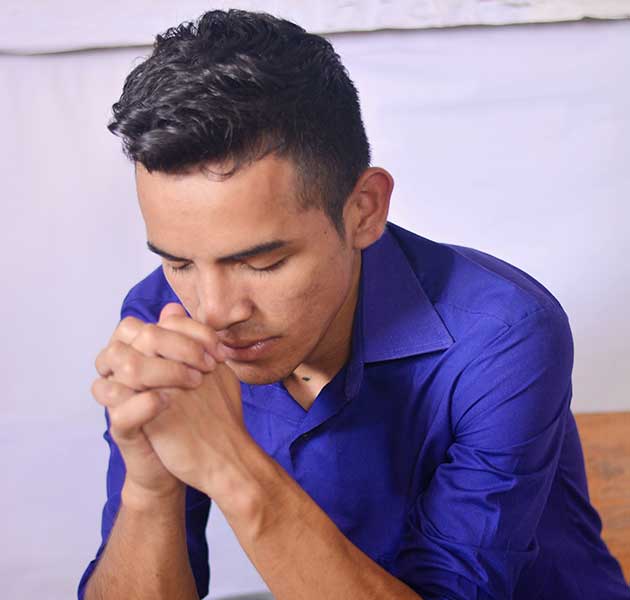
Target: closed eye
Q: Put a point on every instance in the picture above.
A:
(270, 268)
(263, 270)
(181, 268)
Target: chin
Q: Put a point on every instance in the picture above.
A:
(259, 375)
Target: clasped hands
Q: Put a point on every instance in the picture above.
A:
(174, 405)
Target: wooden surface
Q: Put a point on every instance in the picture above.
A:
(606, 443)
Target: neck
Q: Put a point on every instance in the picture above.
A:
(335, 350)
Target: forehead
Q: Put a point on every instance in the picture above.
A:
(202, 214)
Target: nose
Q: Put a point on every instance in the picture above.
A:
(220, 301)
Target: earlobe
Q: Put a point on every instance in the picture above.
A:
(370, 203)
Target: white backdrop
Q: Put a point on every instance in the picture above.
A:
(514, 140)
(30, 26)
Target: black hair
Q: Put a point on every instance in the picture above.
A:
(234, 86)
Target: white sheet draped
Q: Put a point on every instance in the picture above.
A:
(32, 26)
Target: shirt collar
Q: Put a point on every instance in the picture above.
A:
(394, 318)
(398, 318)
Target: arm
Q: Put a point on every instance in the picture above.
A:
(169, 514)
(146, 554)
(294, 545)
(201, 439)
(153, 527)
(471, 532)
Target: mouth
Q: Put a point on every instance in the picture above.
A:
(248, 351)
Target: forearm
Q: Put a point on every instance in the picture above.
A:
(296, 547)
(146, 555)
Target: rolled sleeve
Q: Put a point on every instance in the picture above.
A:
(472, 531)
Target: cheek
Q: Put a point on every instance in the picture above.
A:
(310, 301)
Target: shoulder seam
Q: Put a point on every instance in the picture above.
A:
(551, 309)
(471, 312)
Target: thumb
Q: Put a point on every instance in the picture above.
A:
(172, 309)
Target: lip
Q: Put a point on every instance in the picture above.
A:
(248, 351)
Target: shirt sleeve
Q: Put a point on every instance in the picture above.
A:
(197, 503)
(472, 530)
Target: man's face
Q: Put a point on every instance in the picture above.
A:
(293, 294)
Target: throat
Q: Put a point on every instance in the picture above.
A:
(304, 389)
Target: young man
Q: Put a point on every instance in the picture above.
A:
(377, 415)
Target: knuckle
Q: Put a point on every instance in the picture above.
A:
(105, 392)
(171, 319)
(114, 354)
(127, 326)
(96, 388)
(131, 367)
(124, 330)
(116, 347)
(149, 334)
(99, 363)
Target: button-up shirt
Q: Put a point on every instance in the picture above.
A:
(444, 448)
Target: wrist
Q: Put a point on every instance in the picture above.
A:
(252, 492)
(140, 499)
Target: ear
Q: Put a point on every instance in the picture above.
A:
(365, 213)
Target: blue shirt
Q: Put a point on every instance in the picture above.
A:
(445, 448)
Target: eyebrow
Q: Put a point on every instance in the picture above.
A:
(241, 255)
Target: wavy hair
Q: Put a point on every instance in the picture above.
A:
(235, 86)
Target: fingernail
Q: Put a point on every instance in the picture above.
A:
(194, 376)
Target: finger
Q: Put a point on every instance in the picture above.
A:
(110, 393)
(172, 309)
(127, 330)
(132, 368)
(154, 340)
(197, 331)
(102, 362)
(126, 419)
